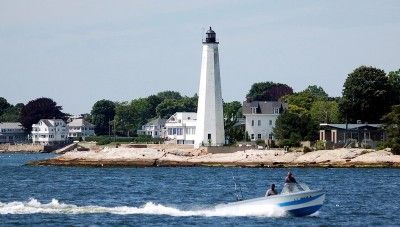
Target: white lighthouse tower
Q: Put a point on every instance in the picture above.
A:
(210, 119)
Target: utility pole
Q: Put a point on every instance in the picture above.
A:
(109, 128)
(115, 136)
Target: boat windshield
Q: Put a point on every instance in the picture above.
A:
(294, 187)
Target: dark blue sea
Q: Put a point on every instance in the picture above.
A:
(72, 196)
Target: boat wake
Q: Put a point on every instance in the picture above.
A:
(33, 206)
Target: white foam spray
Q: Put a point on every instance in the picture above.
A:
(33, 206)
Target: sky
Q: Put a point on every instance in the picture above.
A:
(78, 52)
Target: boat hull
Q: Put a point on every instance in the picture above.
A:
(297, 204)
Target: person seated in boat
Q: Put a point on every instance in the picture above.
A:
(290, 179)
(271, 191)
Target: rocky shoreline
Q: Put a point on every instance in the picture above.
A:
(151, 157)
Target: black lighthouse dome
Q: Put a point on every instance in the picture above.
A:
(210, 36)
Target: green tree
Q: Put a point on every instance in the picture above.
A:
(325, 112)
(169, 95)
(126, 117)
(394, 81)
(153, 101)
(41, 108)
(170, 106)
(317, 91)
(366, 95)
(233, 111)
(307, 97)
(268, 91)
(12, 113)
(102, 113)
(295, 109)
(392, 128)
(291, 128)
(4, 105)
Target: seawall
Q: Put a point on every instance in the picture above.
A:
(21, 148)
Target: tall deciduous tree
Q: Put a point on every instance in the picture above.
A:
(233, 111)
(392, 127)
(41, 108)
(12, 113)
(291, 128)
(366, 95)
(307, 97)
(268, 91)
(394, 81)
(170, 106)
(169, 95)
(4, 105)
(102, 113)
(325, 112)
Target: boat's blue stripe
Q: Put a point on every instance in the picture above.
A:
(305, 211)
(300, 201)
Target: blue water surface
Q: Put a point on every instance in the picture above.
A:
(354, 197)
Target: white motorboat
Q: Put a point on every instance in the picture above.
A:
(295, 199)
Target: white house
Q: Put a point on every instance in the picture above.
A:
(154, 128)
(79, 128)
(12, 132)
(49, 132)
(261, 117)
(181, 127)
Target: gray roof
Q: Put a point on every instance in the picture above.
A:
(157, 121)
(47, 122)
(79, 122)
(11, 125)
(350, 126)
(263, 107)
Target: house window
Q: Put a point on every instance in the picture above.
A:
(276, 110)
(259, 122)
(270, 136)
(252, 136)
(270, 122)
(155, 133)
(209, 136)
(253, 110)
(252, 122)
(259, 136)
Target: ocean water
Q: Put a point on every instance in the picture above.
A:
(65, 196)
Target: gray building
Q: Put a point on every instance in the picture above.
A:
(12, 132)
(341, 134)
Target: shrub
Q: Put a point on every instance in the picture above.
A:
(396, 149)
(104, 141)
(320, 145)
(380, 146)
(260, 142)
(306, 149)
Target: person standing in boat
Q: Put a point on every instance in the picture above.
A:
(290, 182)
(271, 191)
(290, 179)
